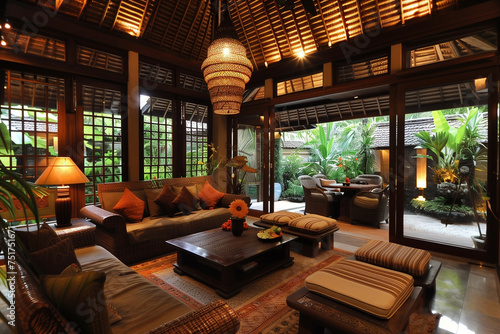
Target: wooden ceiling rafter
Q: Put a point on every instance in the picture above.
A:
(282, 24)
(152, 19)
(182, 21)
(105, 13)
(208, 28)
(310, 27)
(198, 11)
(255, 64)
(169, 24)
(344, 23)
(256, 33)
(271, 28)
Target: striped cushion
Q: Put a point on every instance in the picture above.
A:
(280, 217)
(312, 223)
(374, 290)
(394, 256)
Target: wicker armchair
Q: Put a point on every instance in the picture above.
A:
(317, 200)
(371, 206)
(318, 177)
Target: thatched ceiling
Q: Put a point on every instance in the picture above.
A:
(270, 31)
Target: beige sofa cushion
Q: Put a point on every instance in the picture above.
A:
(141, 304)
(312, 223)
(390, 255)
(374, 290)
(280, 217)
(154, 228)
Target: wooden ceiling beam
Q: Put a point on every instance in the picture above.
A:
(198, 11)
(169, 23)
(284, 29)
(152, 18)
(208, 28)
(181, 24)
(342, 18)
(105, 13)
(256, 66)
(256, 31)
(272, 31)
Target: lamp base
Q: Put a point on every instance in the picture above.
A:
(63, 211)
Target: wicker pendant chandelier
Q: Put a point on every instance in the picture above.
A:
(226, 70)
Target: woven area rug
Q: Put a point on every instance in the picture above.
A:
(261, 305)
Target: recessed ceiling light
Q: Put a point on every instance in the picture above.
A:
(301, 54)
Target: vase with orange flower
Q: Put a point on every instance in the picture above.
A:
(239, 210)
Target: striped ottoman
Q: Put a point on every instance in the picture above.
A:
(406, 259)
(280, 218)
(374, 290)
(313, 224)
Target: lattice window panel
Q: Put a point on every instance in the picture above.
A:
(196, 139)
(102, 135)
(30, 112)
(158, 140)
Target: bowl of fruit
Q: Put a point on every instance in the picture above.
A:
(272, 233)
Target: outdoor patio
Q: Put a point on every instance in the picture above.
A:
(416, 225)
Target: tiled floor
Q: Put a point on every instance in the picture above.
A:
(467, 295)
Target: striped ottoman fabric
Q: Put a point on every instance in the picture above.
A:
(312, 223)
(371, 289)
(280, 218)
(409, 260)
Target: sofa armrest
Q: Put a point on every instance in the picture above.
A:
(226, 200)
(216, 317)
(102, 217)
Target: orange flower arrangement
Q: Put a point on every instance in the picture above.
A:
(238, 208)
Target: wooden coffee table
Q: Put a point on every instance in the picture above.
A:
(225, 262)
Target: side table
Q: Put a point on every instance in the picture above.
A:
(81, 232)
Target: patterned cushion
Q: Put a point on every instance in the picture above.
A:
(130, 207)
(54, 259)
(366, 202)
(312, 223)
(80, 298)
(209, 196)
(374, 290)
(409, 260)
(280, 218)
(38, 239)
(166, 200)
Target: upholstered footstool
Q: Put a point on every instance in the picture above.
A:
(313, 230)
(356, 297)
(413, 261)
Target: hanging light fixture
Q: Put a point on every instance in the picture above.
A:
(226, 70)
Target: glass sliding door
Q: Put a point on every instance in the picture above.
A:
(446, 164)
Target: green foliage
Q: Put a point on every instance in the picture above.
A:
(440, 205)
(294, 189)
(365, 152)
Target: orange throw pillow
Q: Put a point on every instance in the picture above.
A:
(166, 201)
(130, 207)
(209, 195)
(185, 201)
